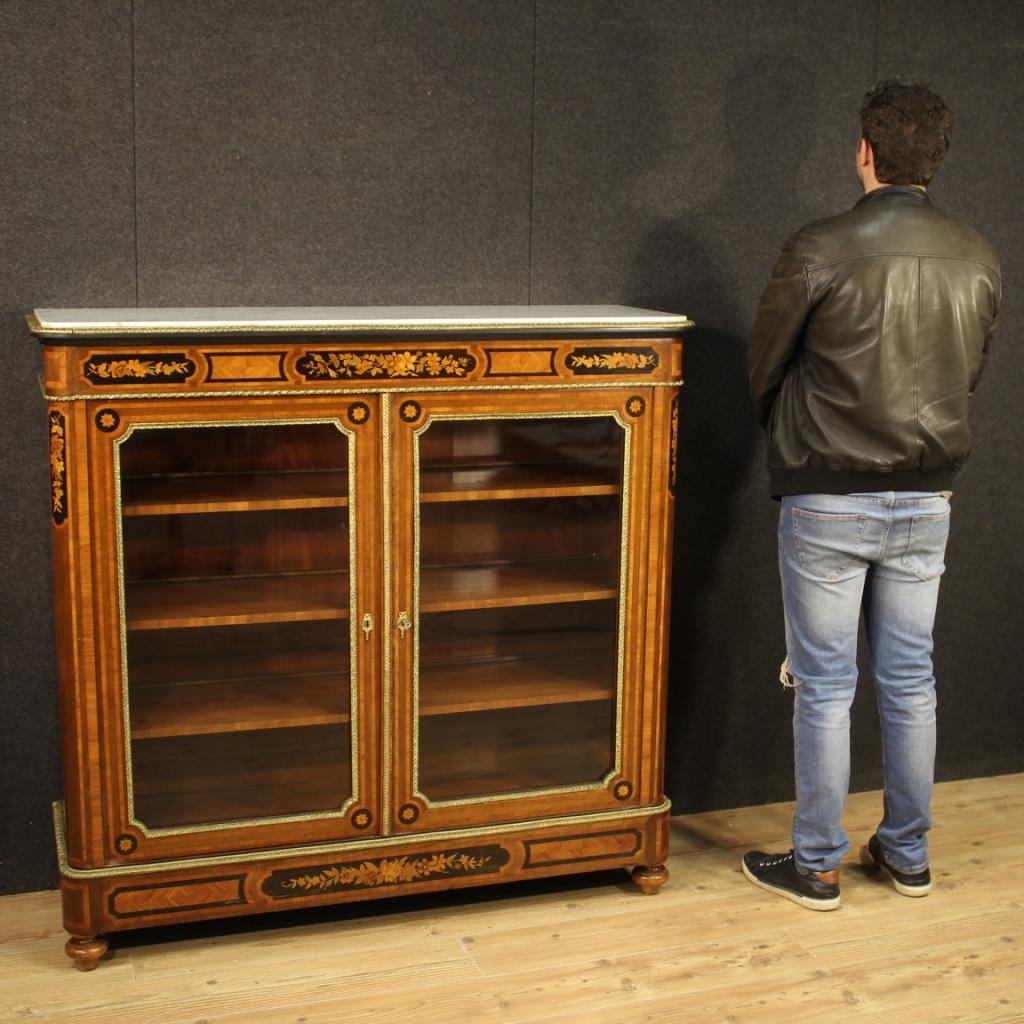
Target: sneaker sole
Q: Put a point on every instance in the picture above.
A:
(808, 902)
(904, 890)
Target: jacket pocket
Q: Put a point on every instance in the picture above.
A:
(827, 544)
(926, 545)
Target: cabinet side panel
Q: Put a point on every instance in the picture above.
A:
(75, 632)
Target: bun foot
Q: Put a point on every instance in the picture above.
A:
(86, 951)
(650, 879)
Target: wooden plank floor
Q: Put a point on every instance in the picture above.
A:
(709, 949)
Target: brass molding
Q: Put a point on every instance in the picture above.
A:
(673, 447)
(625, 518)
(387, 710)
(354, 736)
(399, 386)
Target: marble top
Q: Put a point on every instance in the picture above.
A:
(57, 323)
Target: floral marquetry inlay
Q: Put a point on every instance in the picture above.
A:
(419, 363)
(358, 412)
(58, 468)
(595, 360)
(166, 369)
(107, 420)
(384, 871)
(125, 844)
(623, 790)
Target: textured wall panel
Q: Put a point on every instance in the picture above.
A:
(678, 145)
(309, 151)
(972, 55)
(66, 238)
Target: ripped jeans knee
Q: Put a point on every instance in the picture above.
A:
(786, 677)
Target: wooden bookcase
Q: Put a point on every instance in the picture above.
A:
(353, 603)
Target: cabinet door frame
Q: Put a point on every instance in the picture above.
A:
(408, 808)
(128, 839)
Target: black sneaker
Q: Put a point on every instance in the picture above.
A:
(917, 884)
(777, 873)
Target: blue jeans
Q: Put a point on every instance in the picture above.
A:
(839, 553)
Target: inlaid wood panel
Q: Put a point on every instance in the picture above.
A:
(586, 846)
(176, 897)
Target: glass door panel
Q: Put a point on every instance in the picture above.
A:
(519, 541)
(236, 554)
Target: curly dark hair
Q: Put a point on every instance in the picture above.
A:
(908, 128)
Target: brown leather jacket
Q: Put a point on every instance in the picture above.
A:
(869, 340)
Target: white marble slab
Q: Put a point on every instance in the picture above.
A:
(354, 319)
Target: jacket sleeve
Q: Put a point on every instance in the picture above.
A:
(775, 337)
(996, 299)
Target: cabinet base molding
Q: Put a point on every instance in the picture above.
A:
(148, 895)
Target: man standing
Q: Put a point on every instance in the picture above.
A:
(869, 340)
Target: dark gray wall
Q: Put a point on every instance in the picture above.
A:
(653, 152)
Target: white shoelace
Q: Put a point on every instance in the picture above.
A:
(771, 862)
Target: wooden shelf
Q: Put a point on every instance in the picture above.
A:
(238, 705)
(509, 481)
(220, 655)
(505, 585)
(242, 492)
(180, 604)
(238, 776)
(513, 683)
(513, 779)
(513, 751)
(538, 634)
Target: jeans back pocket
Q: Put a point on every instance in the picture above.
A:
(827, 543)
(926, 545)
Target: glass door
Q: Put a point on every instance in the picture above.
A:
(513, 645)
(242, 626)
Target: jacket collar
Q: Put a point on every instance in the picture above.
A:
(903, 191)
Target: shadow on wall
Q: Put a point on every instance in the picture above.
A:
(710, 263)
